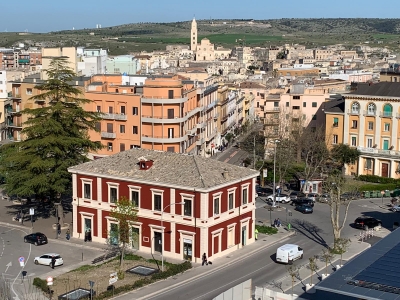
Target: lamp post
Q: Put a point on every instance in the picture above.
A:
(274, 191)
(162, 233)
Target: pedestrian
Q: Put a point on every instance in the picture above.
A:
(58, 228)
(89, 235)
(275, 222)
(53, 262)
(278, 223)
(67, 235)
(256, 234)
(204, 259)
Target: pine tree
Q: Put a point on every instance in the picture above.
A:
(55, 137)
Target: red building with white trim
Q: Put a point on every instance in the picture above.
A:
(217, 216)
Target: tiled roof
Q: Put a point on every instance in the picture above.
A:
(380, 89)
(168, 168)
(251, 85)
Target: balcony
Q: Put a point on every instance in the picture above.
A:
(386, 114)
(14, 111)
(272, 110)
(216, 116)
(14, 124)
(191, 131)
(200, 142)
(108, 135)
(369, 113)
(164, 100)
(16, 96)
(118, 117)
(353, 112)
(378, 152)
(40, 101)
(201, 125)
(162, 139)
(164, 120)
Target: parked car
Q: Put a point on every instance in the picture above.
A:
(324, 198)
(302, 201)
(396, 208)
(367, 222)
(263, 191)
(313, 196)
(304, 208)
(36, 238)
(350, 196)
(296, 194)
(45, 259)
(283, 198)
(288, 253)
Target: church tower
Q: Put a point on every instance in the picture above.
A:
(193, 36)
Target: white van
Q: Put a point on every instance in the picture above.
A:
(288, 253)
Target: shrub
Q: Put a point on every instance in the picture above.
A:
(378, 187)
(377, 179)
(266, 229)
(130, 256)
(41, 284)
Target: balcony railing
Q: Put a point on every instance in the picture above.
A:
(378, 151)
(216, 116)
(201, 125)
(14, 124)
(163, 139)
(272, 110)
(369, 113)
(109, 116)
(386, 114)
(40, 100)
(14, 111)
(353, 112)
(200, 142)
(191, 131)
(108, 135)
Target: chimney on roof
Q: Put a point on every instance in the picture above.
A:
(225, 174)
(144, 163)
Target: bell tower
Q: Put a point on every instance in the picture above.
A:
(193, 36)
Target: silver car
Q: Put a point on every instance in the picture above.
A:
(313, 196)
(396, 208)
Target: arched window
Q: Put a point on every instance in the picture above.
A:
(387, 110)
(371, 109)
(355, 108)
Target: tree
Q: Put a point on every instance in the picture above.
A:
(335, 185)
(229, 137)
(327, 257)
(312, 266)
(124, 212)
(293, 272)
(341, 246)
(55, 137)
(314, 152)
(343, 154)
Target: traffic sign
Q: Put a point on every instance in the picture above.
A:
(49, 280)
(113, 278)
(21, 259)
(32, 211)
(383, 192)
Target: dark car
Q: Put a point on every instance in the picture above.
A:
(325, 198)
(304, 208)
(366, 223)
(36, 238)
(303, 201)
(263, 192)
(296, 194)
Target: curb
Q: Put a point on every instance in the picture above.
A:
(15, 225)
(211, 271)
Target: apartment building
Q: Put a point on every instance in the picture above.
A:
(217, 216)
(15, 58)
(371, 123)
(295, 72)
(48, 54)
(258, 90)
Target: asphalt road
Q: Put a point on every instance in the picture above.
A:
(314, 232)
(12, 247)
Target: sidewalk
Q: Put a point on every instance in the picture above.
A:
(199, 271)
(285, 284)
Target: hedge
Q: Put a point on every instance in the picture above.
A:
(41, 284)
(266, 229)
(171, 271)
(377, 179)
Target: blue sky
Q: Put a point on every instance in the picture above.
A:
(50, 15)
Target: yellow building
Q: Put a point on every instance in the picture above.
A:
(369, 121)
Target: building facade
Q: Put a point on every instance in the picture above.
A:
(186, 205)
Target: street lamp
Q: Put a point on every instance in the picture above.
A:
(274, 193)
(162, 233)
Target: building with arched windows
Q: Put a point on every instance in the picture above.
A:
(368, 119)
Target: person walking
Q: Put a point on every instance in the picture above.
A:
(58, 228)
(256, 234)
(204, 259)
(67, 235)
(53, 262)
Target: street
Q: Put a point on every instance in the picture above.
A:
(313, 234)
(12, 247)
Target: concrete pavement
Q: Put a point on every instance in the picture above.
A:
(159, 289)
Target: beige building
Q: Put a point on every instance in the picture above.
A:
(205, 51)
(48, 54)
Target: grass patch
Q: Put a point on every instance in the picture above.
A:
(85, 268)
(266, 229)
